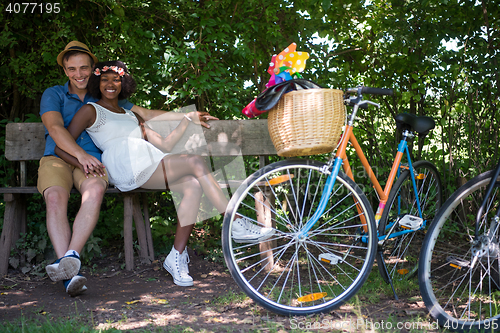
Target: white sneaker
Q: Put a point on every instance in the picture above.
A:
(64, 268)
(76, 285)
(245, 231)
(177, 265)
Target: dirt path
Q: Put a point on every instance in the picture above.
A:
(130, 300)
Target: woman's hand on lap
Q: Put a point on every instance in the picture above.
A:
(91, 165)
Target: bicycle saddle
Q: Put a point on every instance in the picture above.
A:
(422, 125)
(267, 99)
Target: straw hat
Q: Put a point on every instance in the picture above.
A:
(74, 46)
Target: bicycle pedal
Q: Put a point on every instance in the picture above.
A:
(457, 262)
(411, 222)
(420, 176)
(330, 258)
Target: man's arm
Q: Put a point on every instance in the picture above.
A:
(54, 123)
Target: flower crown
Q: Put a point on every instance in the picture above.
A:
(116, 69)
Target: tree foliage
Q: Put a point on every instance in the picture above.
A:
(216, 53)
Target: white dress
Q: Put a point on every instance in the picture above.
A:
(129, 159)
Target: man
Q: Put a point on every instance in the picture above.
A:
(56, 178)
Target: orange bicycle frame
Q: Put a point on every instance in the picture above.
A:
(383, 195)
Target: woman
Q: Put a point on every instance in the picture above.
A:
(133, 162)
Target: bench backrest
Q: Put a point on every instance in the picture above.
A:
(26, 141)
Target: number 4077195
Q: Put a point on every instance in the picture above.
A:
(33, 8)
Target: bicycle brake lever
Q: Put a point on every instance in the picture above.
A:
(370, 102)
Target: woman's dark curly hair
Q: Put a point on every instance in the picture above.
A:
(128, 82)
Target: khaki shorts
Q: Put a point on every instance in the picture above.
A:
(53, 171)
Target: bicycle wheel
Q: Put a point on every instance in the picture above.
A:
(293, 275)
(402, 223)
(458, 272)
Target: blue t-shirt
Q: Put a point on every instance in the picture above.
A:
(58, 98)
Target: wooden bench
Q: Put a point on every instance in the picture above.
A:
(26, 142)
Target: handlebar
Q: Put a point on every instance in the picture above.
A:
(369, 90)
(359, 91)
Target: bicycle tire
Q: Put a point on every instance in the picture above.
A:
(401, 253)
(461, 293)
(295, 278)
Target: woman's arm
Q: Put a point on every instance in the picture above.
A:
(70, 159)
(159, 115)
(89, 164)
(167, 144)
(148, 114)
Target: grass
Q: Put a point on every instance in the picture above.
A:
(230, 297)
(360, 323)
(49, 325)
(375, 286)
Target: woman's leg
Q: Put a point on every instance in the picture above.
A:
(187, 211)
(178, 166)
(184, 172)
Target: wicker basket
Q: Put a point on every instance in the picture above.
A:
(307, 122)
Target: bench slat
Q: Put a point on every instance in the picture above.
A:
(33, 189)
(111, 189)
(26, 141)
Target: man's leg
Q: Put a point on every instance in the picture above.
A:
(92, 191)
(67, 268)
(68, 264)
(55, 181)
(56, 200)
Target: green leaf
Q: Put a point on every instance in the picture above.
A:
(14, 262)
(119, 11)
(42, 243)
(149, 34)
(30, 255)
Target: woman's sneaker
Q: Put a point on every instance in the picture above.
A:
(245, 231)
(64, 268)
(76, 285)
(177, 265)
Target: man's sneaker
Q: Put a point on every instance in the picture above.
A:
(64, 268)
(177, 265)
(76, 285)
(245, 231)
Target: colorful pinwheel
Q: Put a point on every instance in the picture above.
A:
(287, 65)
